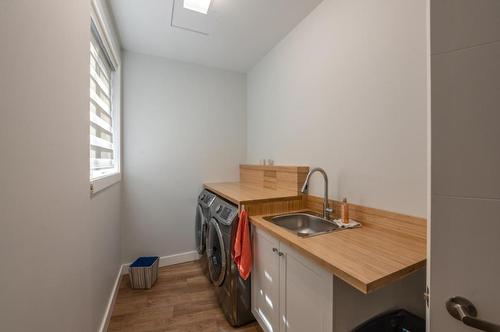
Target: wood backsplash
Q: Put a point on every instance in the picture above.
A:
(274, 177)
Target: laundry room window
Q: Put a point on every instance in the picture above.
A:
(104, 106)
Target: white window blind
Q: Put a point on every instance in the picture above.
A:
(102, 143)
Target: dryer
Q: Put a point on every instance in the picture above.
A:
(233, 293)
(205, 201)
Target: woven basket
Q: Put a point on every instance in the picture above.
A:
(143, 272)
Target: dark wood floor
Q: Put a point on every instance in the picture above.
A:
(181, 300)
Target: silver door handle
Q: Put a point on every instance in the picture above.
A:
(463, 310)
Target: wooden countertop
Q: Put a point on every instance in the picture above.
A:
(367, 258)
(238, 192)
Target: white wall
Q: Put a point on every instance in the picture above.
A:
(183, 125)
(59, 247)
(346, 91)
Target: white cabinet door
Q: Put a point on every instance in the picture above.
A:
(265, 280)
(306, 293)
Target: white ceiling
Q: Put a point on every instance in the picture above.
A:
(240, 32)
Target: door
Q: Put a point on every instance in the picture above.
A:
(216, 253)
(465, 163)
(265, 280)
(306, 291)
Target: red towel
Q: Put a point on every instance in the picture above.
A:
(242, 248)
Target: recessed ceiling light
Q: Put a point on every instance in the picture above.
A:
(200, 6)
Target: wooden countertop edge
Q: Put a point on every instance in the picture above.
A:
(398, 275)
(266, 200)
(363, 286)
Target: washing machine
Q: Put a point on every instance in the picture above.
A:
(233, 293)
(205, 201)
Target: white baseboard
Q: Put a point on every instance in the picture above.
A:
(179, 258)
(111, 301)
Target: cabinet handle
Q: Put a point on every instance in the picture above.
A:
(275, 250)
(280, 253)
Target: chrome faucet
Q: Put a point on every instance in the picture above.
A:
(326, 210)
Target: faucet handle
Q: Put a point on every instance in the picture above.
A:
(329, 210)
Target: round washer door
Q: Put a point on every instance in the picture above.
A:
(216, 253)
(200, 230)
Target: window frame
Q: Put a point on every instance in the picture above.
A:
(103, 27)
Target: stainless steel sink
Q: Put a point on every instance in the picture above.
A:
(304, 224)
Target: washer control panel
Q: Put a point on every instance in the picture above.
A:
(226, 213)
(206, 198)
